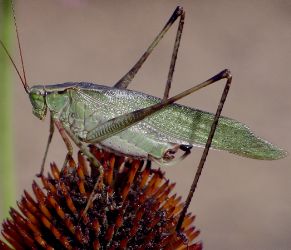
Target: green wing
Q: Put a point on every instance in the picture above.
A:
(181, 124)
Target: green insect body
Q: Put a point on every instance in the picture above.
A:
(83, 107)
(135, 124)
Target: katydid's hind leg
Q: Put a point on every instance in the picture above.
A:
(51, 133)
(127, 78)
(206, 150)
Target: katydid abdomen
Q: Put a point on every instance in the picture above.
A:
(86, 106)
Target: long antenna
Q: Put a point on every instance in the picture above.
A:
(19, 46)
(23, 80)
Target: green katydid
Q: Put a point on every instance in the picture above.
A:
(138, 125)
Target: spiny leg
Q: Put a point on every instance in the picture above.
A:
(51, 133)
(205, 152)
(127, 78)
(122, 122)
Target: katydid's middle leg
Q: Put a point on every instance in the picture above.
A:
(99, 183)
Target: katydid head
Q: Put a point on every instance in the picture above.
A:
(37, 98)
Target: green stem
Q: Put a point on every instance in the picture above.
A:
(7, 182)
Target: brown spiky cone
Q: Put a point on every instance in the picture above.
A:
(133, 210)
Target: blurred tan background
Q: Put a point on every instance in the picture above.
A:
(240, 203)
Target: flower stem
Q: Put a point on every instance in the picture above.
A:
(7, 183)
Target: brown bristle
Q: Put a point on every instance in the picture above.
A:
(55, 171)
(132, 209)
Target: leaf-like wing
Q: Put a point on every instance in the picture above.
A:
(180, 124)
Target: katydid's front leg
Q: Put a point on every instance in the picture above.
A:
(51, 133)
(120, 123)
